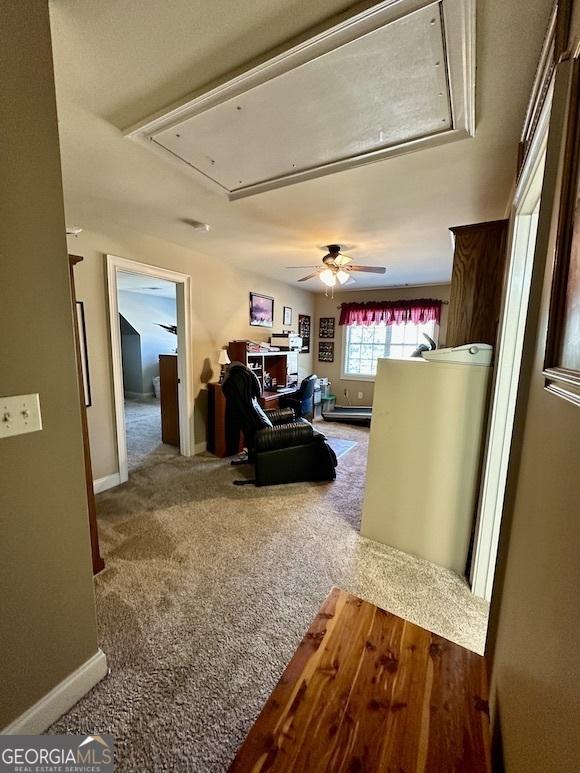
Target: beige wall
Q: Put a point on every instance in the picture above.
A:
(47, 614)
(328, 307)
(220, 313)
(535, 614)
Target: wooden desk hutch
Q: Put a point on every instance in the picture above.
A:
(281, 366)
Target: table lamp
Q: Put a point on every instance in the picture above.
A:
(223, 360)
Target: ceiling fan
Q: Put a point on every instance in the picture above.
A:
(337, 268)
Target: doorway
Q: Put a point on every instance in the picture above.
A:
(149, 320)
(524, 225)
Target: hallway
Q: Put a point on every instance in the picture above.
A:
(143, 428)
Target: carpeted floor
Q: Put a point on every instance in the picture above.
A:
(143, 430)
(209, 588)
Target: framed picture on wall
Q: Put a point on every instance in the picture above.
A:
(304, 331)
(562, 359)
(261, 310)
(326, 351)
(84, 356)
(287, 316)
(326, 327)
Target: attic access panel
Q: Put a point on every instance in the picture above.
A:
(396, 77)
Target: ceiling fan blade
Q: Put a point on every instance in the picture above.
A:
(310, 276)
(369, 269)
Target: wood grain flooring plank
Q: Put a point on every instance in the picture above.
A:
(369, 691)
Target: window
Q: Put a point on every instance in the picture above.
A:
(364, 345)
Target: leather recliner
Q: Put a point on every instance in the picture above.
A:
(283, 449)
(301, 401)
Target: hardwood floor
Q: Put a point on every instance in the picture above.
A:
(369, 691)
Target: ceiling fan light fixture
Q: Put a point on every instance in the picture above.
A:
(342, 276)
(328, 277)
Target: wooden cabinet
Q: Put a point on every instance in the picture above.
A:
(169, 386)
(477, 283)
(217, 442)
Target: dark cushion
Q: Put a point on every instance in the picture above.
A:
(284, 436)
(281, 415)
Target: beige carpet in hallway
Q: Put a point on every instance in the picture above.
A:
(209, 588)
(143, 432)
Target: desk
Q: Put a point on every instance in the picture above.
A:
(216, 418)
(270, 400)
(369, 691)
(216, 423)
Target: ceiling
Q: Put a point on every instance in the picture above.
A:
(117, 62)
(366, 88)
(145, 285)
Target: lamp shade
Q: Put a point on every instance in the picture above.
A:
(328, 277)
(223, 358)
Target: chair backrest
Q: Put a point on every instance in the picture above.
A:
(306, 390)
(242, 390)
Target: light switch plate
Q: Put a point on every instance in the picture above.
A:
(19, 414)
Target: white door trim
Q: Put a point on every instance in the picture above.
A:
(508, 360)
(184, 366)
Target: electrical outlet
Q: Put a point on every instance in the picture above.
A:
(360, 395)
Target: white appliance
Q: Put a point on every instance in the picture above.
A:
(425, 451)
(468, 354)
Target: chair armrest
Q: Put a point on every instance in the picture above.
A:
(283, 436)
(281, 415)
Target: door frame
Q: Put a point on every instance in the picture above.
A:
(501, 421)
(184, 365)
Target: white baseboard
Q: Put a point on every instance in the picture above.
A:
(60, 699)
(109, 481)
(200, 448)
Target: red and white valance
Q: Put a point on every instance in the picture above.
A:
(418, 311)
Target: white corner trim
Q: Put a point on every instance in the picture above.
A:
(60, 699)
(109, 481)
(199, 448)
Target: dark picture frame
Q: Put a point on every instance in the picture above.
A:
(326, 327)
(304, 325)
(562, 355)
(287, 316)
(326, 351)
(261, 310)
(83, 350)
